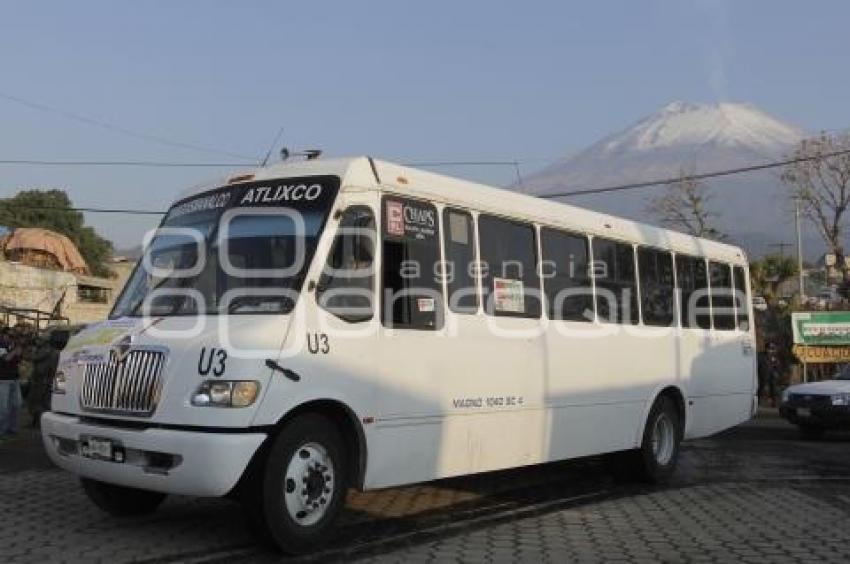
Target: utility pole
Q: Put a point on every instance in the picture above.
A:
(800, 269)
(799, 249)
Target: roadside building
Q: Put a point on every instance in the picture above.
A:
(44, 279)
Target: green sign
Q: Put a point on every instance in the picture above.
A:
(821, 327)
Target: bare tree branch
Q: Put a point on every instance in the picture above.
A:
(822, 184)
(684, 205)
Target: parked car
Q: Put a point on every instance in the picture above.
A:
(759, 303)
(816, 407)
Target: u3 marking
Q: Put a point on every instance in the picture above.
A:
(318, 343)
(212, 361)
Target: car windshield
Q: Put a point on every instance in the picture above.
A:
(242, 249)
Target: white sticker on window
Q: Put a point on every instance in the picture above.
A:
(508, 295)
(425, 304)
(458, 230)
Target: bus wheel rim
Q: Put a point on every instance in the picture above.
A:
(309, 484)
(663, 440)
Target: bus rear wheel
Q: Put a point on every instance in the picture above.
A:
(655, 461)
(120, 501)
(303, 486)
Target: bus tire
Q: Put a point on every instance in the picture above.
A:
(304, 483)
(121, 501)
(655, 461)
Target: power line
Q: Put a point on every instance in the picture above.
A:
(617, 188)
(116, 128)
(427, 164)
(701, 176)
(128, 211)
(159, 164)
(48, 162)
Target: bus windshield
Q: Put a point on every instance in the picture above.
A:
(243, 249)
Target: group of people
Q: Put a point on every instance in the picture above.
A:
(28, 360)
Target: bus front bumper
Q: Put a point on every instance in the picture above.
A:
(164, 460)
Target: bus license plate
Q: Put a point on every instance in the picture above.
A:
(99, 448)
(804, 412)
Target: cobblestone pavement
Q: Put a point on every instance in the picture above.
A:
(756, 493)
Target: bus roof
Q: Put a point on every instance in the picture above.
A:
(375, 174)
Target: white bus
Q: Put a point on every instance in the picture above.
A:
(312, 326)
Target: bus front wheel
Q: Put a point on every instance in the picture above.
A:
(303, 485)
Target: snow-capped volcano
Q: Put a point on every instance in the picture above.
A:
(685, 124)
(693, 137)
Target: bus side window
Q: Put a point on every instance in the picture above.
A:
(742, 300)
(510, 285)
(616, 282)
(412, 295)
(722, 306)
(346, 287)
(655, 268)
(566, 275)
(460, 264)
(692, 278)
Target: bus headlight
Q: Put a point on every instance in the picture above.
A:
(226, 393)
(59, 382)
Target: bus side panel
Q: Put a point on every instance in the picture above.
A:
(719, 366)
(478, 403)
(423, 450)
(597, 387)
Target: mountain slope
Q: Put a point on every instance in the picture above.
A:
(753, 207)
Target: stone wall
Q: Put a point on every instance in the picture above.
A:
(24, 286)
(38, 288)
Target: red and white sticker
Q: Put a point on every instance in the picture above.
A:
(509, 295)
(425, 304)
(395, 218)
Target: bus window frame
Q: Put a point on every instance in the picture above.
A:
(536, 267)
(588, 240)
(636, 321)
(676, 320)
(443, 209)
(322, 284)
(441, 311)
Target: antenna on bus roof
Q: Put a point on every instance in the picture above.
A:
(277, 137)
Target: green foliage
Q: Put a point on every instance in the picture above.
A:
(769, 272)
(28, 209)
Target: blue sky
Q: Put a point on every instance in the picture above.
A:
(426, 81)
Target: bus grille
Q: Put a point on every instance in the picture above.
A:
(128, 386)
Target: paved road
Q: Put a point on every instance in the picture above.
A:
(756, 493)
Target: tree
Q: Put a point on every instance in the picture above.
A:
(769, 272)
(50, 209)
(820, 180)
(684, 206)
